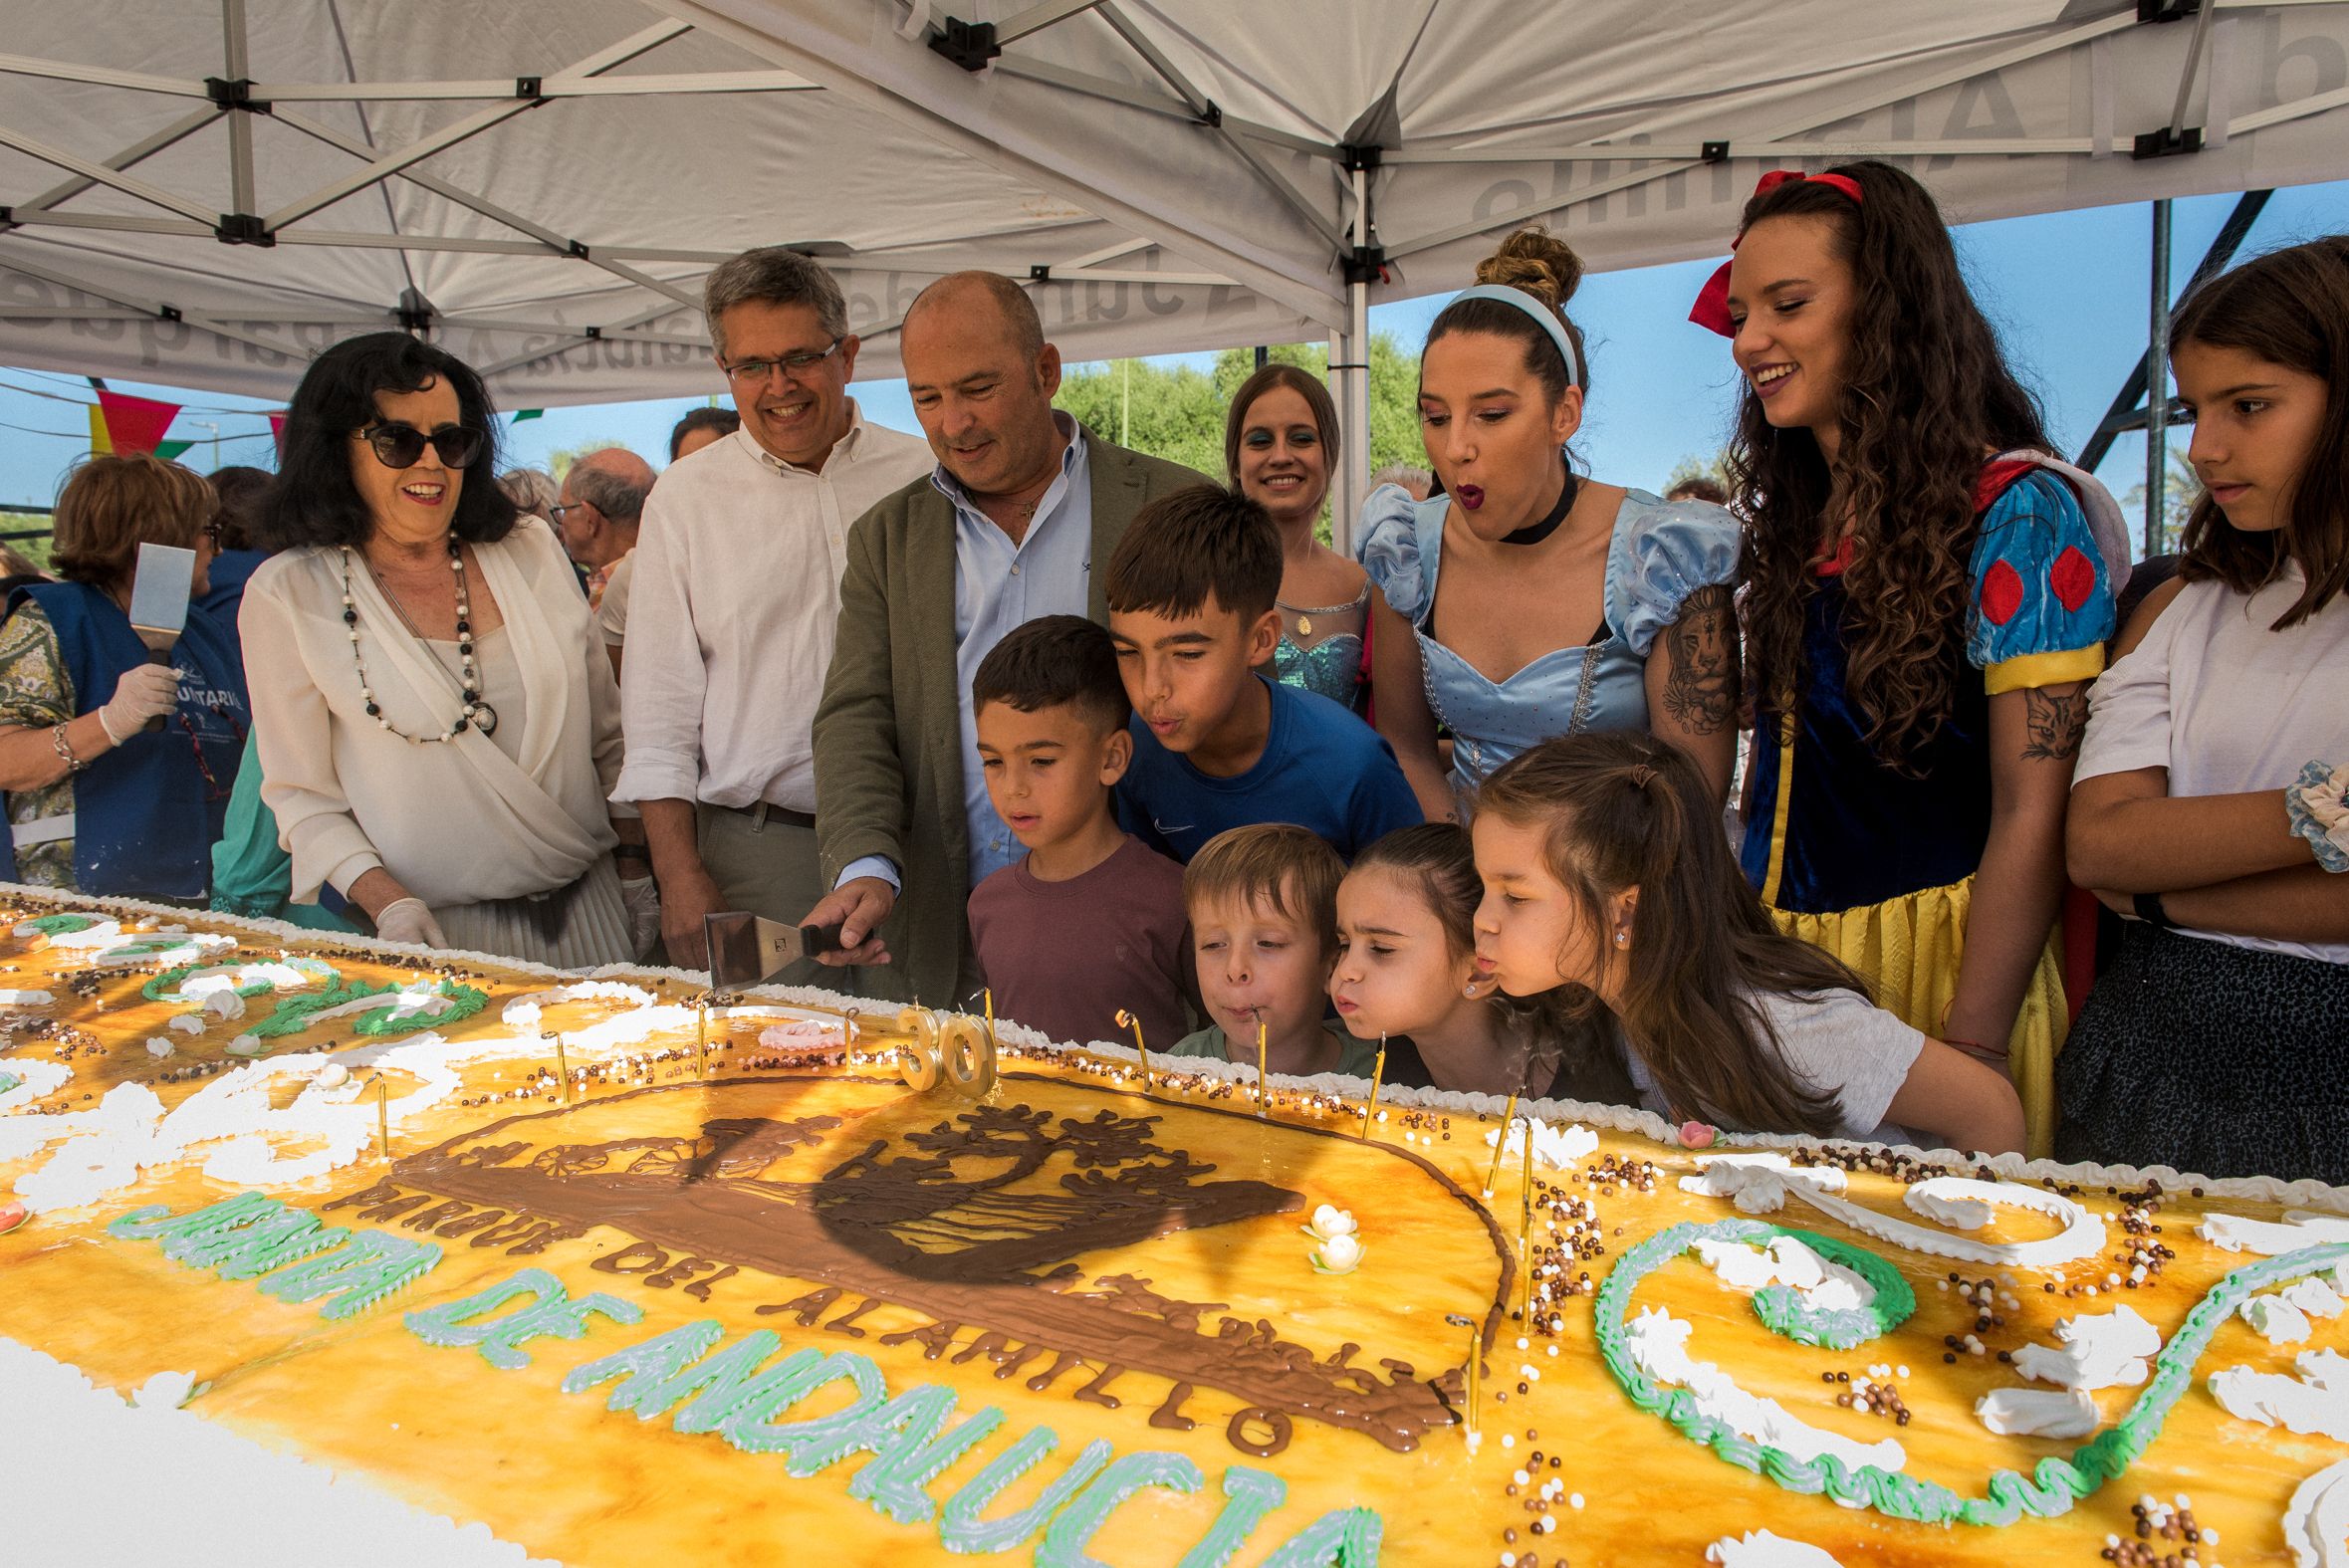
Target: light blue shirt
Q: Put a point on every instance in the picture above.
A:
(998, 587)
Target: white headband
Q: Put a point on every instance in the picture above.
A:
(1543, 317)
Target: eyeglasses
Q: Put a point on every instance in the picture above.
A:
(558, 514)
(398, 446)
(756, 372)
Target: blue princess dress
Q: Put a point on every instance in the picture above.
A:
(1662, 552)
(1876, 865)
(1321, 647)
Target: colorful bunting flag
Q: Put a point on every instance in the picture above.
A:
(131, 424)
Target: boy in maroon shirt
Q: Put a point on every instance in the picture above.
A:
(1089, 921)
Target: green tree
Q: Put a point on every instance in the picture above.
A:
(1178, 413)
(2178, 494)
(559, 462)
(1691, 466)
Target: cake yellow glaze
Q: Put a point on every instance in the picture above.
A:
(627, 1280)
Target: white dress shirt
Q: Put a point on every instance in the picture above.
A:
(455, 823)
(732, 614)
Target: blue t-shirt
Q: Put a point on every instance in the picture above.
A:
(1323, 768)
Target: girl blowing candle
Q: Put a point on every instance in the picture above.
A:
(1606, 876)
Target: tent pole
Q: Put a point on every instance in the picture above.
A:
(1353, 393)
(2157, 382)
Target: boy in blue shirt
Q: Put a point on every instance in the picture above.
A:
(1216, 743)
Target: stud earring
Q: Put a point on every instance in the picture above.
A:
(1622, 939)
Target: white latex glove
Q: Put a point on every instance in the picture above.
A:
(145, 690)
(407, 920)
(642, 896)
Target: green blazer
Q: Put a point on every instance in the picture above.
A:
(888, 732)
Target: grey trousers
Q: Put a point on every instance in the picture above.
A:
(769, 868)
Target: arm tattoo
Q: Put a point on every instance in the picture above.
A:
(1700, 676)
(2053, 724)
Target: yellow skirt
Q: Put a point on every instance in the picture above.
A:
(1909, 949)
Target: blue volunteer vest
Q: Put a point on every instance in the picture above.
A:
(145, 813)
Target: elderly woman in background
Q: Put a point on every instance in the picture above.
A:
(97, 800)
(439, 729)
(1280, 448)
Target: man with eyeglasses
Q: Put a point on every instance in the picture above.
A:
(734, 600)
(598, 518)
(1022, 504)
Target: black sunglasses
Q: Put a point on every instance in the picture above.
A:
(398, 446)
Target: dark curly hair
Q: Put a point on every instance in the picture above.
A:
(1926, 397)
(2288, 308)
(316, 502)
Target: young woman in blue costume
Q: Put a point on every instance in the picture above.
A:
(2208, 810)
(1279, 444)
(1927, 596)
(1523, 601)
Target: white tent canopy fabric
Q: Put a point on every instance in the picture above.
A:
(205, 194)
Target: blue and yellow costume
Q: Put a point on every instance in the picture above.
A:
(1876, 865)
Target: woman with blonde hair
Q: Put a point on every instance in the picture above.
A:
(118, 766)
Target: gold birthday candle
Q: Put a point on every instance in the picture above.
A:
(1126, 1021)
(701, 1038)
(383, 1113)
(563, 1069)
(1377, 1074)
(1261, 1100)
(1501, 1144)
(1526, 1222)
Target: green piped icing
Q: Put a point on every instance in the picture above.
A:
(1340, 1538)
(1247, 1497)
(646, 1367)
(292, 1014)
(910, 1443)
(165, 986)
(361, 1272)
(141, 947)
(551, 1313)
(58, 925)
(1784, 1313)
(961, 1529)
(1063, 1544)
(8, 1081)
(751, 1426)
(238, 1238)
(2054, 1486)
(248, 1236)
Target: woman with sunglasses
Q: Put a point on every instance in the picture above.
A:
(118, 765)
(438, 730)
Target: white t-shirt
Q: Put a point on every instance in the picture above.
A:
(1839, 1044)
(2229, 705)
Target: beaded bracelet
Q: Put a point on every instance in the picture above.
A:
(57, 742)
(2318, 805)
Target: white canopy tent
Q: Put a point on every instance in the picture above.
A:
(207, 196)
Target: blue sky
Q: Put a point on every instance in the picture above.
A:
(2067, 291)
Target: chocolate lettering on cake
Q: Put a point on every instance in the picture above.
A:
(972, 1222)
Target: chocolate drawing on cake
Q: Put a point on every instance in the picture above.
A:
(969, 1215)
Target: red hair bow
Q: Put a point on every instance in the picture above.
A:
(1710, 311)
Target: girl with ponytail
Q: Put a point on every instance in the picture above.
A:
(1606, 877)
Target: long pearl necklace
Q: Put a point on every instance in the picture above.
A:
(475, 714)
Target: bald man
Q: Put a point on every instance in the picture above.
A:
(1023, 502)
(602, 503)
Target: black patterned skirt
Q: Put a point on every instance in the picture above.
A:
(2211, 1058)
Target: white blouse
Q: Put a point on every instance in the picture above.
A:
(2227, 705)
(454, 822)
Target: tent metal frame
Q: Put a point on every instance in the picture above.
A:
(1342, 217)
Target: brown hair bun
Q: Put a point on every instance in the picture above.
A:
(1537, 261)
